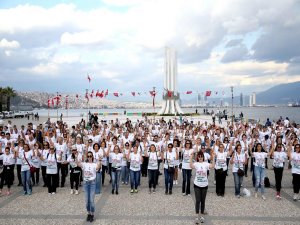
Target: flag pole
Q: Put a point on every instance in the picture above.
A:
(57, 106)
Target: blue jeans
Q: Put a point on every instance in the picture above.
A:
(237, 183)
(260, 174)
(115, 176)
(186, 183)
(26, 181)
(98, 183)
(125, 174)
(134, 179)
(168, 180)
(89, 191)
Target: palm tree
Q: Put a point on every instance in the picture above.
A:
(1, 98)
(9, 92)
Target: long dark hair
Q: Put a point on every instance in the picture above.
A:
(199, 155)
(255, 147)
(89, 152)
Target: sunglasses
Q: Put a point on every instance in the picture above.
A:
(51, 148)
(90, 156)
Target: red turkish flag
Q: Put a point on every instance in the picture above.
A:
(116, 94)
(106, 93)
(48, 102)
(189, 92)
(169, 94)
(87, 96)
(52, 100)
(152, 93)
(207, 93)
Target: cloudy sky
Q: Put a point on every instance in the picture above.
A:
(52, 45)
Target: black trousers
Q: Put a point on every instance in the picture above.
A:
(52, 182)
(152, 178)
(200, 195)
(220, 182)
(74, 179)
(278, 177)
(296, 183)
(144, 169)
(104, 170)
(63, 170)
(19, 173)
(7, 176)
(44, 175)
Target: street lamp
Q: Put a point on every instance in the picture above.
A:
(153, 96)
(232, 105)
(87, 104)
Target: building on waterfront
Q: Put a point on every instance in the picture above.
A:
(171, 96)
(254, 99)
(241, 100)
(250, 100)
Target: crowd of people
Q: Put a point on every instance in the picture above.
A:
(126, 151)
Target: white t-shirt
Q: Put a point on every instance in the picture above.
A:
(238, 162)
(116, 160)
(279, 158)
(221, 160)
(51, 161)
(44, 153)
(104, 158)
(8, 159)
(89, 171)
(201, 174)
(21, 152)
(152, 163)
(169, 159)
(28, 156)
(260, 158)
(135, 162)
(61, 148)
(186, 158)
(295, 161)
(73, 163)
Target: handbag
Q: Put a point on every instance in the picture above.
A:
(240, 172)
(32, 168)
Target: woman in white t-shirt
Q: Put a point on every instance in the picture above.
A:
(74, 169)
(153, 156)
(238, 161)
(201, 182)
(279, 157)
(186, 152)
(169, 158)
(259, 156)
(26, 157)
(7, 173)
(89, 169)
(221, 169)
(51, 168)
(44, 152)
(295, 161)
(36, 162)
(116, 162)
(136, 160)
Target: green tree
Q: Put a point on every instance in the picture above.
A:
(9, 92)
(1, 98)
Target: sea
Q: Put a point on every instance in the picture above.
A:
(256, 113)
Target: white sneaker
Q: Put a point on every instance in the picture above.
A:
(183, 194)
(72, 191)
(295, 197)
(263, 197)
(202, 220)
(53, 193)
(76, 192)
(255, 194)
(197, 220)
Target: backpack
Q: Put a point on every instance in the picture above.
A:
(267, 182)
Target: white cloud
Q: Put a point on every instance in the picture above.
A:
(124, 40)
(9, 44)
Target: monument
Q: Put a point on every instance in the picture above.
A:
(171, 97)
